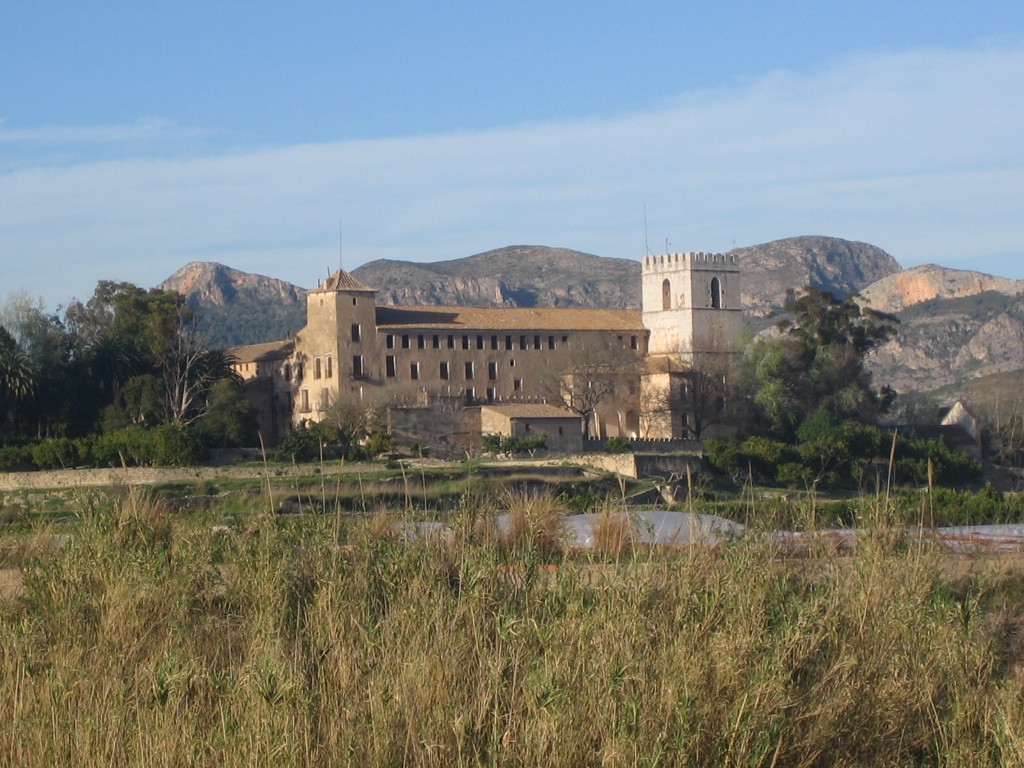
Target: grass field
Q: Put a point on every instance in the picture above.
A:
(147, 637)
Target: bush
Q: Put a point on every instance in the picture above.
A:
(511, 445)
(377, 443)
(16, 458)
(617, 445)
(172, 446)
(55, 453)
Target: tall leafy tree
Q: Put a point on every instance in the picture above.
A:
(816, 362)
(17, 378)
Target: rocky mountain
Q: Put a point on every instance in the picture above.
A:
(829, 263)
(238, 307)
(955, 326)
(241, 308)
(516, 276)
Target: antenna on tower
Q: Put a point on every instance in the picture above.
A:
(341, 256)
(647, 247)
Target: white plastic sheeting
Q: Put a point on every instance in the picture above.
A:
(664, 528)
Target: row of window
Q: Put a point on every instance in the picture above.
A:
(466, 341)
(444, 370)
(305, 406)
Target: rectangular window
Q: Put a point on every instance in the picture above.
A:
(299, 370)
(469, 369)
(517, 385)
(357, 366)
(565, 339)
(389, 341)
(421, 342)
(465, 342)
(316, 368)
(492, 371)
(357, 334)
(494, 342)
(389, 366)
(633, 342)
(470, 394)
(491, 394)
(479, 342)
(287, 372)
(451, 341)
(551, 342)
(414, 371)
(436, 341)
(304, 401)
(536, 342)
(523, 344)
(444, 371)
(508, 342)
(330, 366)
(405, 341)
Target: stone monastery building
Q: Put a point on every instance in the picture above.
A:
(513, 364)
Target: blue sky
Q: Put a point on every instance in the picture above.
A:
(136, 137)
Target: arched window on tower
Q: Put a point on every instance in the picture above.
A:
(716, 293)
(666, 294)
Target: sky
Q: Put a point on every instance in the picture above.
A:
(286, 138)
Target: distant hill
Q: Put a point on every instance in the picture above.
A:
(238, 307)
(241, 308)
(956, 325)
(516, 276)
(829, 263)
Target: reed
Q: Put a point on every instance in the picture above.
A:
(153, 640)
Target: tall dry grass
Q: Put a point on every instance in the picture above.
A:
(153, 641)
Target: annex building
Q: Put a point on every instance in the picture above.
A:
(596, 372)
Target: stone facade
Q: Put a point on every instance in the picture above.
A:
(351, 348)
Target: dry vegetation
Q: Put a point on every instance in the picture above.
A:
(159, 640)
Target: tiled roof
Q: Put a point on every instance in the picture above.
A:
(342, 281)
(258, 353)
(510, 319)
(532, 411)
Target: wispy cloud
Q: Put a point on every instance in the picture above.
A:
(919, 153)
(144, 129)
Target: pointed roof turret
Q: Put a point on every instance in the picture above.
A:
(343, 281)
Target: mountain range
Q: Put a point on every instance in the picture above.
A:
(956, 325)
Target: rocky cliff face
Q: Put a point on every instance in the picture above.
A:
(955, 325)
(238, 307)
(829, 263)
(516, 276)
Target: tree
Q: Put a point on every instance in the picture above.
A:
(51, 406)
(817, 363)
(588, 379)
(189, 372)
(17, 378)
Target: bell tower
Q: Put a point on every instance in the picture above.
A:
(691, 303)
(692, 307)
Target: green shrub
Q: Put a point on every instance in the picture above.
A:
(55, 453)
(617, 445)
(16, 458)
(377, 443)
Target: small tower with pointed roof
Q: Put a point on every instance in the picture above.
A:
(336, 351)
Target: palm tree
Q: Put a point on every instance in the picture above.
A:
(17, 377)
